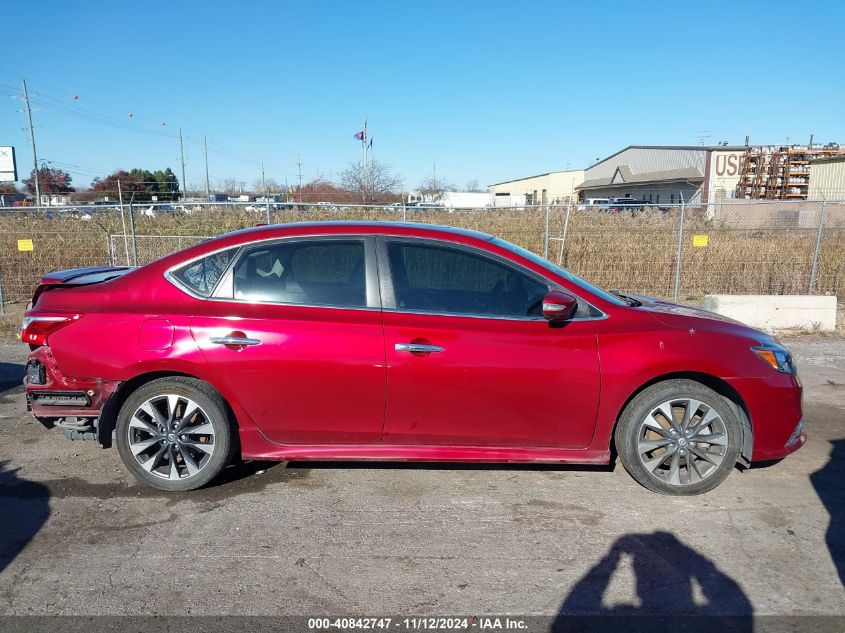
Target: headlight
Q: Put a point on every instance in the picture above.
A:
(777, 356)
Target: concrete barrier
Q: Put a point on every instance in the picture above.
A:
(777, 312)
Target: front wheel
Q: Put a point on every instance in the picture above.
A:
(174, 434)
(679, 437)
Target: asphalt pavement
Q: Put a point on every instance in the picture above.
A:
(78, 535)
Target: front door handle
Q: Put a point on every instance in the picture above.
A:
(417, 348)
(234, 340)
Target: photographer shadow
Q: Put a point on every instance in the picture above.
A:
(24, 508)
(828, 484)
(677, 589)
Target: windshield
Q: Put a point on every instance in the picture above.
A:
(581, 283)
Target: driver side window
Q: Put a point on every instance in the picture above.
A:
(434, 278)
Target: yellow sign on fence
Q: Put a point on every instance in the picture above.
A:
(700, 241)
(24, 245)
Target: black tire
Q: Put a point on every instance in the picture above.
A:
(214, 411)
(630, 430)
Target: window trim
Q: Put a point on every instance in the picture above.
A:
(373, 298)
(388, 294)
(170, 273)
(379, 280)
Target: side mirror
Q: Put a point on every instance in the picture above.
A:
(559, 306)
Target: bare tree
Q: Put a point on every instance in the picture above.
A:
(373, 182)
(229, 185)
(472, 185)
(432, 189)
(266, 186)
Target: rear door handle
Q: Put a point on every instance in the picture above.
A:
(417, 348)
(234, 340)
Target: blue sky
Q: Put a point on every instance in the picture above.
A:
(490, 90)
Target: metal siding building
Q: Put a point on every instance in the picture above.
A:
(827, 179)
(665, 174)
(554, 187)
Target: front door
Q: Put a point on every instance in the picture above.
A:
(471, 361)
(297, 337)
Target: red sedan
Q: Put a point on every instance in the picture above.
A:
(361, 341)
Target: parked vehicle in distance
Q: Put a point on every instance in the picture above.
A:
(68, 213)
(594, 203)
(394, 341)
(426, 206)
(618, 205)
(152, 210)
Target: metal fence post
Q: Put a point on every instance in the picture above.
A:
(565, 229)
(123, 222)
(546, 234)
(817, 249)
(109, 249)
(680, 252)
(2, 307)
(134, 242)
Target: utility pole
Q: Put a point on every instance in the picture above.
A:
(263, 180)
(299, 167)
(32, 140)
(266, 193)
(207, 187)
(182, 156)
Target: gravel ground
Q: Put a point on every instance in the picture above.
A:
(78, 535)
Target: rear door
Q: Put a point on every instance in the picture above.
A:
(471, 361)
(295, 330)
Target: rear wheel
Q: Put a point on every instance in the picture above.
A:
(679, 437)
(175, 434)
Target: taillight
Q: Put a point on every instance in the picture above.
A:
(37, 328)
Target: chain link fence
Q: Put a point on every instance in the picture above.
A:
(674, 251)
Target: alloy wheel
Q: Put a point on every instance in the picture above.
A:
(171, 437)
(682, 441)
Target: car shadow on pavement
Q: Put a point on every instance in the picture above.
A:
(24, 508)
(676, 588)
(828, 484)
(11, 376)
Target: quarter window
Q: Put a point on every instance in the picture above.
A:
(428, 278)
(202, 275)
(330, 273)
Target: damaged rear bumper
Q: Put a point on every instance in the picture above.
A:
(58, 400)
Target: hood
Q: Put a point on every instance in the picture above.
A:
(659, 308)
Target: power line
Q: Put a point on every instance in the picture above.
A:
(58, 105)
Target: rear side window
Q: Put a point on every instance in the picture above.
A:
(202, 275)
(316, 273)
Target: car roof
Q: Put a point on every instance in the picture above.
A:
(371, 227)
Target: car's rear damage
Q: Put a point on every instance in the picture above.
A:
(57, 400)
(68, 402)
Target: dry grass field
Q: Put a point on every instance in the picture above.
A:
(631, 252)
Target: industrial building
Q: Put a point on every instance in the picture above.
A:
(665, 174)
(556, 187)
(694, 174)
(827, 178)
